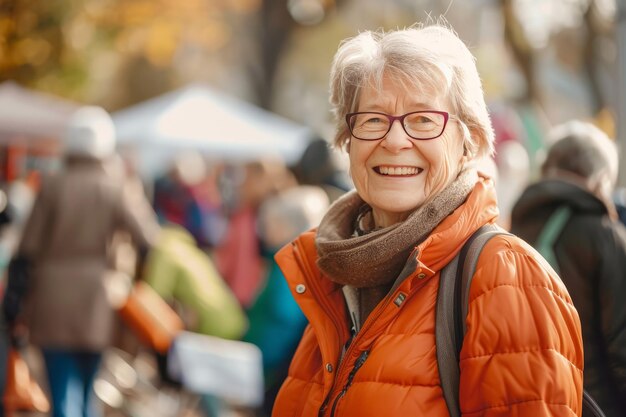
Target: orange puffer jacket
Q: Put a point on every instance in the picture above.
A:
(522, 354)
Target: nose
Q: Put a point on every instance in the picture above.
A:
(396, 139)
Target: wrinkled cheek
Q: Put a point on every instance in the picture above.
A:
(436, 181)
(353, 174)
(359, 178)
(351, 168)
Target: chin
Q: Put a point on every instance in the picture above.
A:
(398, 207)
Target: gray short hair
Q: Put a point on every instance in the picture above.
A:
(428, 56)
(582, 149)
(294, 210)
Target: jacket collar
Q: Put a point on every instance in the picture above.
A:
(448, 237)
(434, 253)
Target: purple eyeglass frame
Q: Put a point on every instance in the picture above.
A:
(392, 119)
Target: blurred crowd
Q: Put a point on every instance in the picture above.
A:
(203, 236)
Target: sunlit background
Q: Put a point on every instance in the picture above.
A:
(175, 74)
(559, 53)
(168, 69)
(246, 82)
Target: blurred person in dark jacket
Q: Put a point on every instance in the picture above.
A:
(67, 245)
(187, 195)
(569, 216)
(319, 166)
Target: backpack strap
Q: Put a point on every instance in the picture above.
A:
(452, 305)
(550, 233)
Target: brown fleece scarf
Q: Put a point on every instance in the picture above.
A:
(373, 261)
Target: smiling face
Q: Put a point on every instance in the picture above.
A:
(397, 174)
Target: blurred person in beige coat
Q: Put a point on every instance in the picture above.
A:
(67, 242)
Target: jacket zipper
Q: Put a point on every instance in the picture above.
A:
(359, 362)
(366, 325)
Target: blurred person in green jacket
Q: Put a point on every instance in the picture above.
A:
(178, 270)
(181, 272)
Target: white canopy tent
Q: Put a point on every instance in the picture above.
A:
(198, 117)
(27, 115)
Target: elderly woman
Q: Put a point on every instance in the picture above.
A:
(412, 117)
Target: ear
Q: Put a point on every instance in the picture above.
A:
(466, 155)
(463, 161)
(601, 185)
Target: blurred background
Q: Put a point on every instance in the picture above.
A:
(168, 69)
(542, 61)
(220, 104)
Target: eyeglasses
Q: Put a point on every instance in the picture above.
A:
(420, 125)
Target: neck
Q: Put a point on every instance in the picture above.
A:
(386, 219)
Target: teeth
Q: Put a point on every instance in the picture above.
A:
(398, 170)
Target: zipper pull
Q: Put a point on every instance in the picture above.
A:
(357, 365)
(324, 407)
(359, 362)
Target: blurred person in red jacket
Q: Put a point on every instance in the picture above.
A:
(238, 257)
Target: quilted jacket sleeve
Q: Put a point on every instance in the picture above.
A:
(522, 354)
